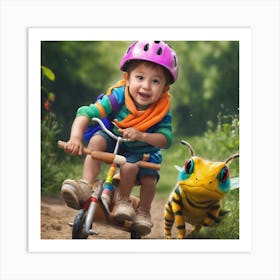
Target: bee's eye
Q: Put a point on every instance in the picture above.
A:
(224, 175)
(189, 166)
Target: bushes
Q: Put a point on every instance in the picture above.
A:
(219, 142)
(51, 174)
(224, 139)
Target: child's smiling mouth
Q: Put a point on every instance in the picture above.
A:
(144, 95)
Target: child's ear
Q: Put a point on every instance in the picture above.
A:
(166, 88)
(125, 77)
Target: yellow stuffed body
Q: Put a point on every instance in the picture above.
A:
(196, 198)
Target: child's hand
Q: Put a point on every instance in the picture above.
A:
(154, 139)
(74, 147)
(131, 133)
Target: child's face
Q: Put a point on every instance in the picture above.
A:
(146, 84)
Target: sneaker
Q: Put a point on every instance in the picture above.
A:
(123, 210)
(142, 223)
(75, 193)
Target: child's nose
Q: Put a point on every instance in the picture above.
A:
(146, 85)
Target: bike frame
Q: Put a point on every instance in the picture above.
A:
(114, 160)
(91, 204)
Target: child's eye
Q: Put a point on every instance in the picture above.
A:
(140, 78)
(155, 81)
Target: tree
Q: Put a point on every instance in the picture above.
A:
(208, 84)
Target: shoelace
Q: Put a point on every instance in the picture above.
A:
(124, 201)
(143, 212)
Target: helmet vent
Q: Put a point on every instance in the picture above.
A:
(159, 51)
(146, 47)
(175, 61)
(157, 42)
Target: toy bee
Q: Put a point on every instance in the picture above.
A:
(196, 198)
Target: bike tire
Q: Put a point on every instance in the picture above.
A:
(78, 226)
(135, 235)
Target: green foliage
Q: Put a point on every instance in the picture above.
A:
(221, 142)
(84, 69)
(208, 83)
(47, 72)
(50, 172)
(47, 97)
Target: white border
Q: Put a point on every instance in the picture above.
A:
(262, 16)
(243, 35)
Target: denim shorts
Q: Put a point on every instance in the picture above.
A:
(132, 157)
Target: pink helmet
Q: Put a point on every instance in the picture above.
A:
(154, 51)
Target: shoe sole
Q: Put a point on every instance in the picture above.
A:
(122, 217)
(69, 196)
(143, 228)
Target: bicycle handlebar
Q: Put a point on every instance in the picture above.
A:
(98, 155)
(112, 158)
(105, 129)
(109, 157)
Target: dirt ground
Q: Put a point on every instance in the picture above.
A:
(56, 216)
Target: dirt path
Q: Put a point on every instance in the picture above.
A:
(56, 216)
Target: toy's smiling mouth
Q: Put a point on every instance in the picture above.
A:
(202, 192)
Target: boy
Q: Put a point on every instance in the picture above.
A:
(139, 105)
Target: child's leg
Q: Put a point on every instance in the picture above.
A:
(91, 167)
(123, 209)
(128, 173)
(143, 222)
(147, 191)
(76, 192)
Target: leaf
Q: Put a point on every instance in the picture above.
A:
(51, 97)
(48, 73)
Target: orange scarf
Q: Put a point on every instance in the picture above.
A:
(142, 120)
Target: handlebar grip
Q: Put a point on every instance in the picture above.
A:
(145, 164)
(98, 155)
(107, 157)
(111, 158)
(61, 144)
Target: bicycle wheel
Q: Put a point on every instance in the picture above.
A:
(135, 235)
(78, 226)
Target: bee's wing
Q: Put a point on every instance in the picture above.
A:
(234, 183)
(178, 167)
